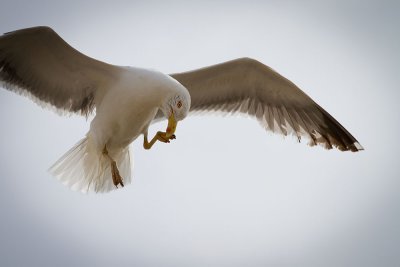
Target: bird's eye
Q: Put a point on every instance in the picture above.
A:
(179, 104)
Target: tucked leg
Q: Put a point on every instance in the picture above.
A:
(160, 136)
(117, 179)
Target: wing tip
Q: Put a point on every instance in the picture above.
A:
(358, 146)
(354, 147)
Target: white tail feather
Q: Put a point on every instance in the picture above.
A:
(84, 169)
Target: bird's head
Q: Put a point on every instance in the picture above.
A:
(178, 106)
(176, 109)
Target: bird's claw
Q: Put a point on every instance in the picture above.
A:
(163, 137)
(159, 136)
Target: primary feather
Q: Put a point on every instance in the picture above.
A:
(248, 86)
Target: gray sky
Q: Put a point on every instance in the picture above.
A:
(225, 193)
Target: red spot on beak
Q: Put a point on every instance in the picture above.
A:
(168, 130)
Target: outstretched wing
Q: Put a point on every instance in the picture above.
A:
(37, 62)
(247, 86)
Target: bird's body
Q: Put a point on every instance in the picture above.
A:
(128, 109)
(38, 63)
(125, 112)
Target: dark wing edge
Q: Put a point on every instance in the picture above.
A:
(249, 87)
(37, 63)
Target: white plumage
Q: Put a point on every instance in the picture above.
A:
(125, 112)
(38, 63)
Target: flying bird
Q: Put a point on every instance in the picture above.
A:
(38, 63)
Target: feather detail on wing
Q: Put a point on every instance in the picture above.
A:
(39, 63)
(248, 86)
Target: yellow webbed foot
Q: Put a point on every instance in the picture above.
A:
(164, 137)
(160, 136)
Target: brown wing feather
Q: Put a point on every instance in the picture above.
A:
(39, 63)
(248, 86)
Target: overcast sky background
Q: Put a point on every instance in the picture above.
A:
(225, 193)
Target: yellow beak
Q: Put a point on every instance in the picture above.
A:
(171, 125)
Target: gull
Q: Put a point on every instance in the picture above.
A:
(37, 63)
